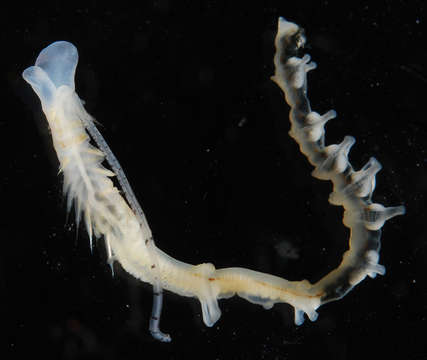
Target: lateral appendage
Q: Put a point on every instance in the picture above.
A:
(351, 189)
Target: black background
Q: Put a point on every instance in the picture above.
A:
(182, 92)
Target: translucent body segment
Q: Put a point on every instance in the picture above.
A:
(372, 216)
(362, 183)
(315, 123)
(376, 215)
(336, 159)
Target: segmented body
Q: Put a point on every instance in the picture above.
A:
(123, 225)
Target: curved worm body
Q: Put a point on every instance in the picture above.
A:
(122, 224)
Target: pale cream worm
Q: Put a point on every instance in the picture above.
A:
(122, 224)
